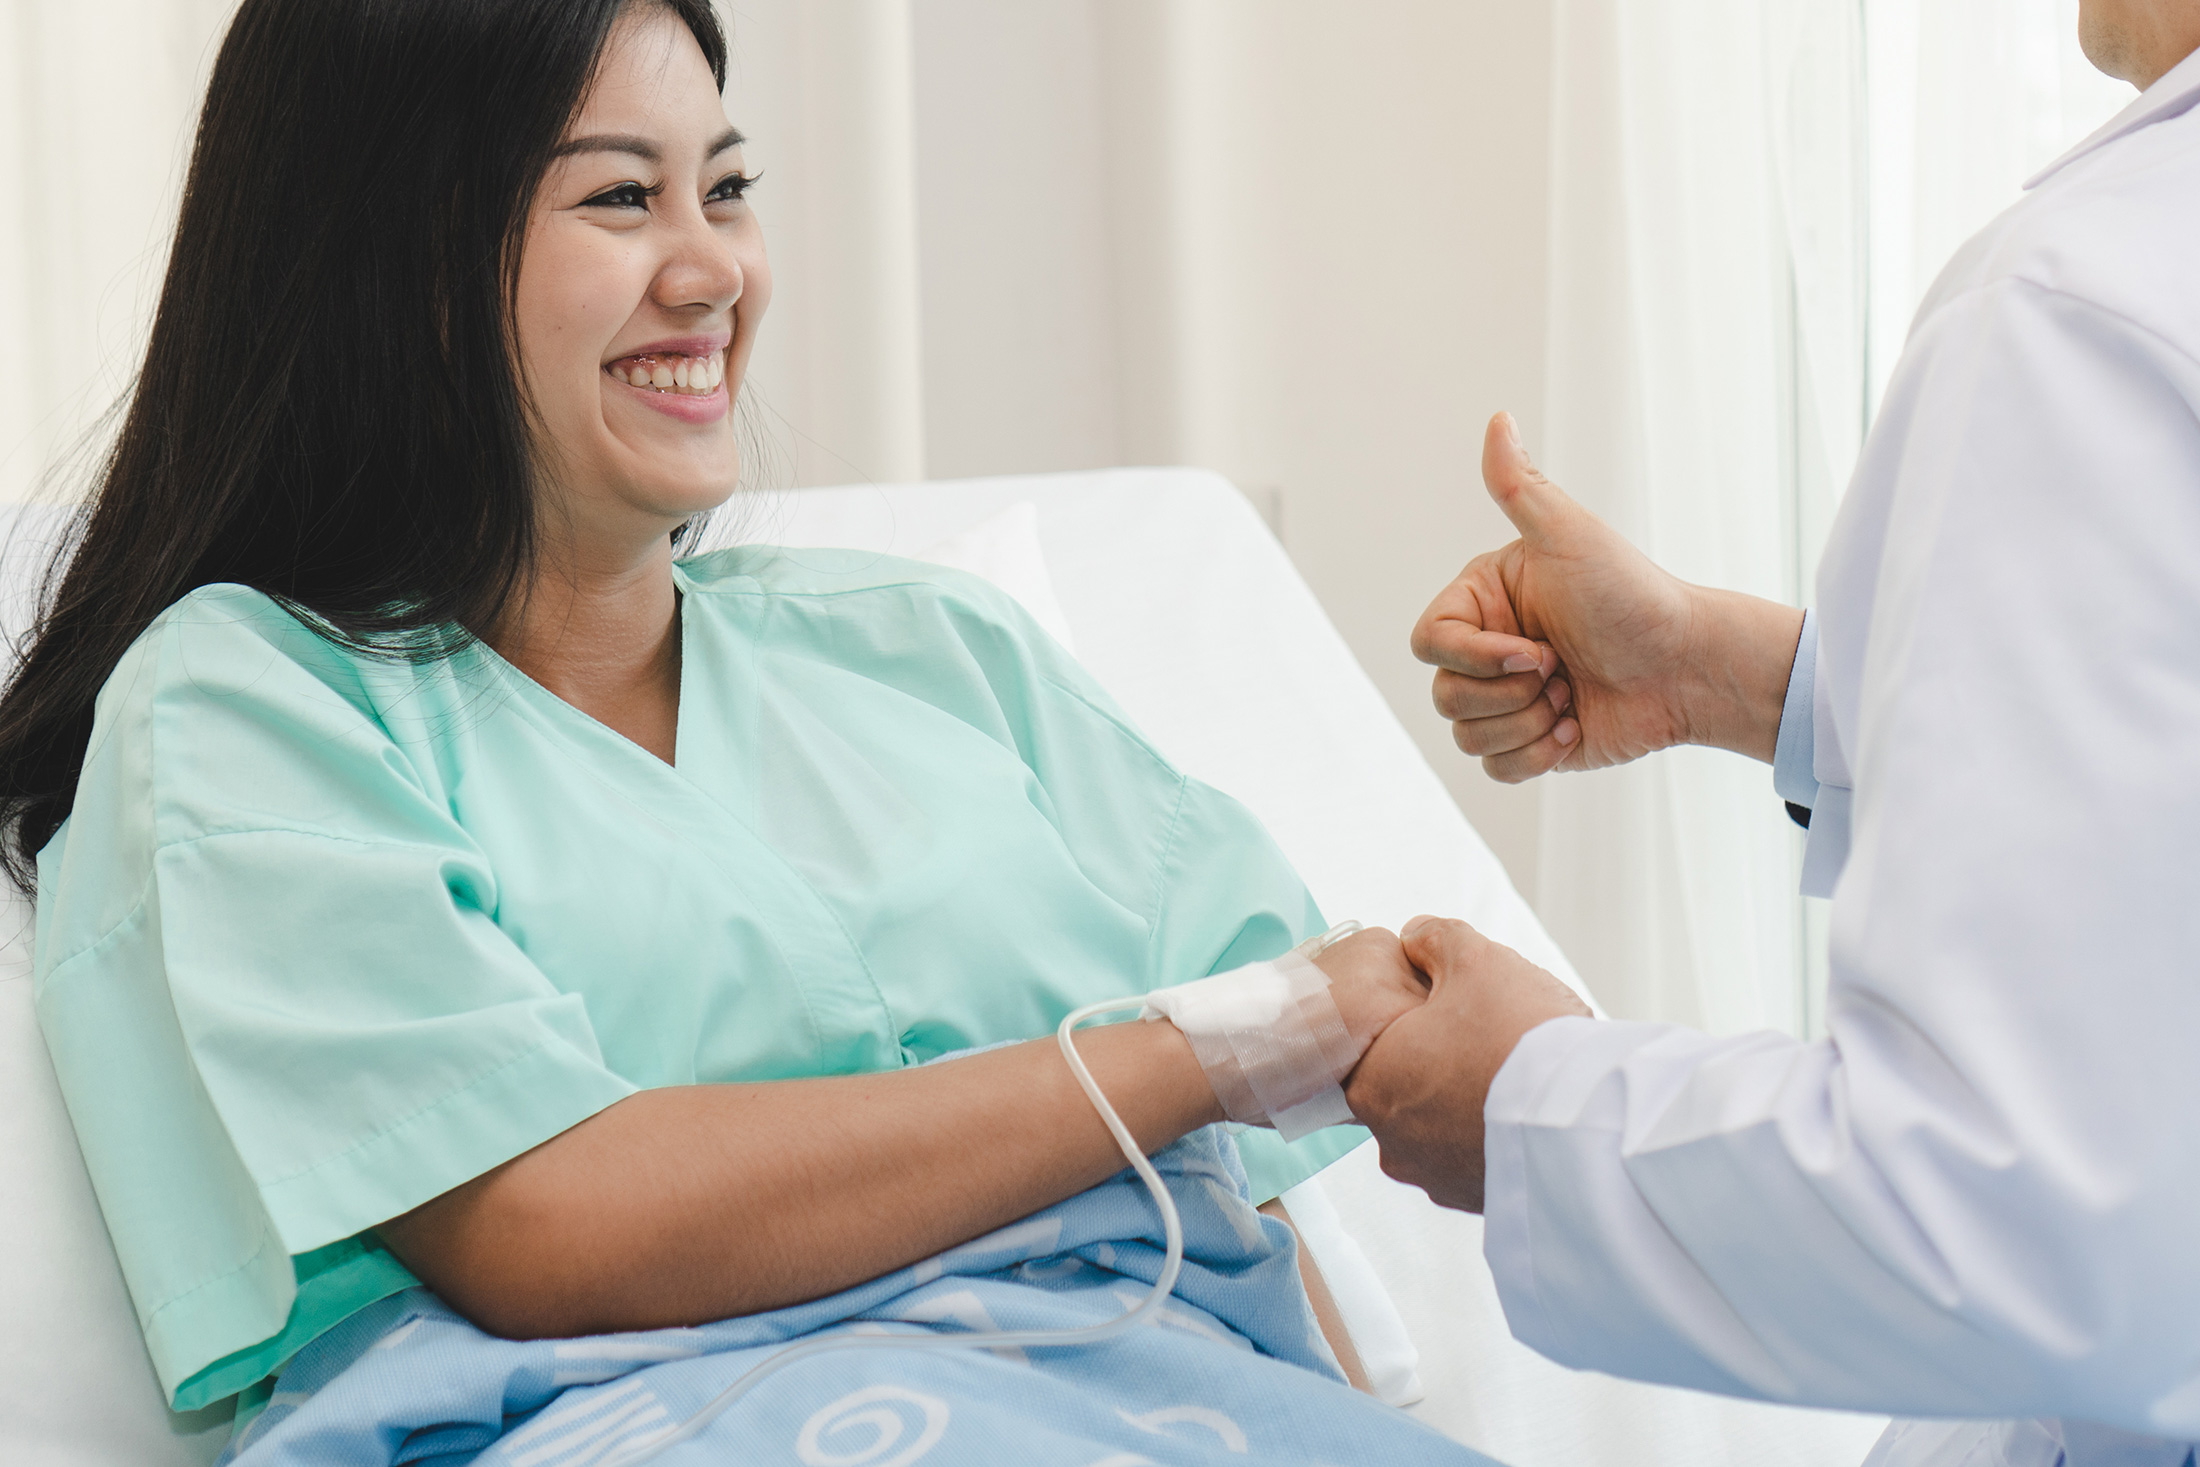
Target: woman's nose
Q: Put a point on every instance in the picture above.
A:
(705, 270)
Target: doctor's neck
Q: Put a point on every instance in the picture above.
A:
(2138, 41)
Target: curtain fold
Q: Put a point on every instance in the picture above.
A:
(1668, 392)
(1749, 198)
(98, 112)
(1968, 98)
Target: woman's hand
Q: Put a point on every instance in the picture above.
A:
(1372, 981)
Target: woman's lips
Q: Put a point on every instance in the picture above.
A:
(691, 388)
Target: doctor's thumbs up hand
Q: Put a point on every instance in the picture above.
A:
(1571, 649)
(1421, 1086)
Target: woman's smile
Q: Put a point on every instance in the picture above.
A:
(684, 379)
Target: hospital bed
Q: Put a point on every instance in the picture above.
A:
(1171, 589)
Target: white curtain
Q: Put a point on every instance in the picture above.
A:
(1968, 99)
(1667, 882)
(1748, 199)
(100, 108)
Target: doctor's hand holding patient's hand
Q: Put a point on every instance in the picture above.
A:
(1420, 1088)
(1570, 649)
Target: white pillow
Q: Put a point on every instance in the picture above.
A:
(76, 1388)
(1005, 550)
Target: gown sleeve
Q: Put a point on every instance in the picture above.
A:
(1234, 898)
(274, 993)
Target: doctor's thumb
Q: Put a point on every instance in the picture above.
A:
(1532, 502)
(1440, 947)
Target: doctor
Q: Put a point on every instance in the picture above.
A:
(1980, 1195)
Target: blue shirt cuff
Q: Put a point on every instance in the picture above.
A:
(1793, 757)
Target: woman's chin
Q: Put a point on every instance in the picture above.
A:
(679, 486)
(689, 502)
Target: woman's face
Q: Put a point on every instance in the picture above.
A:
(640, 287)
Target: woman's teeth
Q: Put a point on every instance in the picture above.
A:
(696, 376)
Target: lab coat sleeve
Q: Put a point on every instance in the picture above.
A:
(1977, 1195)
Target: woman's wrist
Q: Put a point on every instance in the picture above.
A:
(1186, 1081)
(1152, 1077)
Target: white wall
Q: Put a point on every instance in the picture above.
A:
(1297, 241)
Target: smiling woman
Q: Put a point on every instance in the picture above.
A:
(641, 284)
(465, 929)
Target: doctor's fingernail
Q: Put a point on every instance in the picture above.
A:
(1523, 662)
(1566, 732)
(1560, 695)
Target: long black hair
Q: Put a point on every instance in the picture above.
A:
(329, 409)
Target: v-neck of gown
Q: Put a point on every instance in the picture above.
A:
(591, 731)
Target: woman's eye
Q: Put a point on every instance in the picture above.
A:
(729, 188)
(624, 196)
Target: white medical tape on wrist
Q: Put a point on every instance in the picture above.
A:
(1271, 1040)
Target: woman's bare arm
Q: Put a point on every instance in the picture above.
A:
(693, 1203)
(699, 1202)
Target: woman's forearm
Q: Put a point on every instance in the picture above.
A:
(694, 1203)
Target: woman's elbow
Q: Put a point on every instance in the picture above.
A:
(506, 1261)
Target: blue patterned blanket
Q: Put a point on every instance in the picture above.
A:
(1235, 1368)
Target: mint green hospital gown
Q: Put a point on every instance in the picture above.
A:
(327, 935)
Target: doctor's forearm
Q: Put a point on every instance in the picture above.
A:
(694, 1203)
(1741, 651)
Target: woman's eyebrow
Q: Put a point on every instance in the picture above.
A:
(640, 147)
(611, 142)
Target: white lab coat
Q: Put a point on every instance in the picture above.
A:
(1980, 1196)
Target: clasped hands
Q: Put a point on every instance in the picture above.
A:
(1445, 1006)
(1568, 649)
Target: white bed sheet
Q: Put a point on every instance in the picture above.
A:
(1184, 606)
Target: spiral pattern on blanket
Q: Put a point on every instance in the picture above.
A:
(883, 1410)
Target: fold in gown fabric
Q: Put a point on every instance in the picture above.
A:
(1234, 1370)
